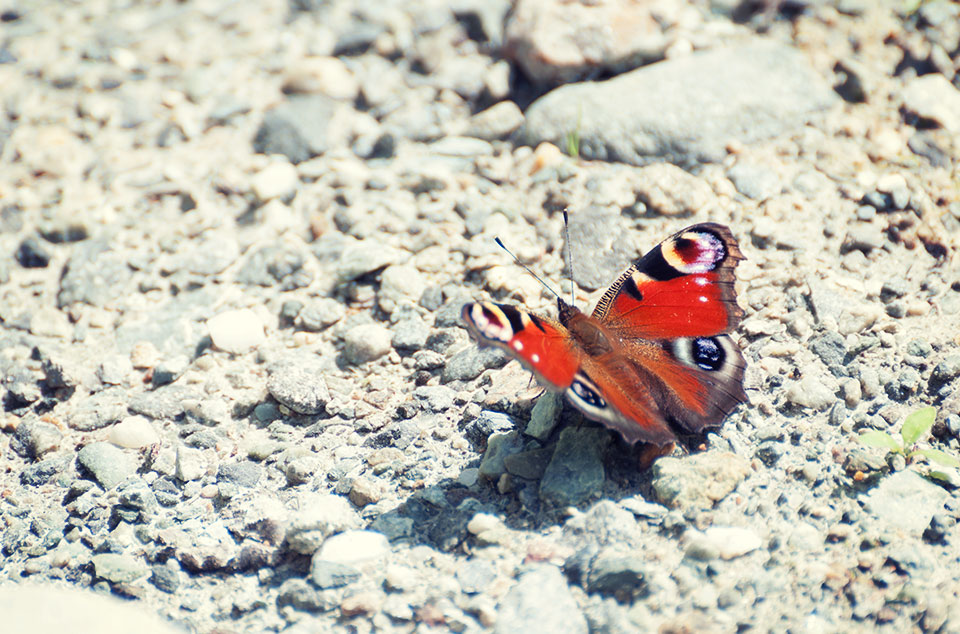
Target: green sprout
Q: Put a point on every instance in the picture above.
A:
(915, 425)
(572, 138)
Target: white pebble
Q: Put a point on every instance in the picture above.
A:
(236, 331)
(732, 541)
(277, 180)
(366, 342)
(353, 547)
(133, 432)
(482, 522)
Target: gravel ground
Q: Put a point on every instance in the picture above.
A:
(235, 238)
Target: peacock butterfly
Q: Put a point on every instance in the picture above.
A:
(654, 356)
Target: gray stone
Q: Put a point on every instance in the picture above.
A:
(94, 274)
(539, 603)
(831, 349)
(366, 342)
(470, 363)
(434, 398)
(600, 232)
(616, 572)
(410, 335)
(101, 410)
(118, 568)
(109, 465)
(364, 257)
(166, 577)
(698, 481)
(863, 237)
(499, 445)
(475, 575)
(743, 93)
(243, 473)
(330, 574)
(319, 314)
(754, 181)
(544, 416)
(322, 516)
(299, 594)
(303, 127)
(297, 383)
(933, 97)
(575, 472)
(528, 464)
(34, 438)
(496, 122)
(905, 501)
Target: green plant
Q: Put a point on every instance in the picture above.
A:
(572, 138)
(914, 425)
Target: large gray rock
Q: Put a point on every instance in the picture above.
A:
(684, 110)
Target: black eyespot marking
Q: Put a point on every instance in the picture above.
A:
(588, 395)
(707, 353)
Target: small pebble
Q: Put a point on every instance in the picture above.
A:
(236, 331)
(134, 432)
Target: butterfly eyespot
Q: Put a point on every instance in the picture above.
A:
(707, 353)
(588, 395)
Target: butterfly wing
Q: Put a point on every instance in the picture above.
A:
(683, 287)
(543, 345)
(669, 311)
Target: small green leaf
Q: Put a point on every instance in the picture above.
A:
(950, 477)
(938, 457)
(880, 439)
(916, 424)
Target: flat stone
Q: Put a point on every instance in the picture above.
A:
(117, 568)
(323, 515)
(905, 501)
(736, 94)
(297, 383)
(575, 472)
(330, 574)
(699, 480)
(109, 465)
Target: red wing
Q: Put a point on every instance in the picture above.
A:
(613, 393)
(683, 287)
(696, 381)
(542, 345)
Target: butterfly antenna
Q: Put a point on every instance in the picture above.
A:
(525, 267)
(566, 238)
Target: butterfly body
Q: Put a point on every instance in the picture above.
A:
(653, 355)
